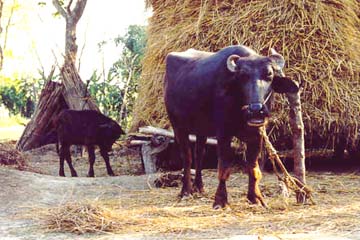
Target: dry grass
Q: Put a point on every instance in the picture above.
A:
(320, 41)
(10, 156)
(157, 211)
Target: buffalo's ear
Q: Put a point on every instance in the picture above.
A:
(284, 85)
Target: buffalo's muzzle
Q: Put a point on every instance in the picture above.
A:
(256, 114)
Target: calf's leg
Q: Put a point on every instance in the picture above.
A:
(105, 156)
(66, 152)
(91, 153)
(62, 158)
(224, 168)
(253, 151)
(199, 155)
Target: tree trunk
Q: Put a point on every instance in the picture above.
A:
(38, 130)
(70, 41)
(72, 17)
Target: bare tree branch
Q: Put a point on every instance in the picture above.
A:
(8, 25)
(59, 8)
(78, 10)
(69, 7)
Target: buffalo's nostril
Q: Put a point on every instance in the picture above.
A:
(255, 107)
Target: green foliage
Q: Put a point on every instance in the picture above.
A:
(115, 93)
(128, 67)
(20, 95)
(106, 94)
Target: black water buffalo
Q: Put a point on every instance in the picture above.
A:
(87, 128)
(223, 94)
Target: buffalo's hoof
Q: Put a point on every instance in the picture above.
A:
(111, 174)
(185, 194)
(257, 200)
(220, 205)
(90, 175)
(220, 202)
(74, 174)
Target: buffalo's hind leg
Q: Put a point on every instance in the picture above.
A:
(182, 138)
(199, 155)
(253, 151)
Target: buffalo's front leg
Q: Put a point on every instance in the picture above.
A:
(199, 155)
(253, 151)
(224, 169)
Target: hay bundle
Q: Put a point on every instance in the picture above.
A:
(320, 41)
(80, 218)
(10, 156)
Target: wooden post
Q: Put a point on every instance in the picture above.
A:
(150, 150)
(297, 127)
(149, 159)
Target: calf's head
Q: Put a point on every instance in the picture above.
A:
(109, 133)
(254, 79)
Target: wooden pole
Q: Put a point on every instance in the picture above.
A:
(297, 127)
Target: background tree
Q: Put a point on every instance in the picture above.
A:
(4, 34)
(115, 90)
(72, 16)
(1, 48)
(128, 67)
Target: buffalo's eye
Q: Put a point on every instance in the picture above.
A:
(269, 76)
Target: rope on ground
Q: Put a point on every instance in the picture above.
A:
(301, 190)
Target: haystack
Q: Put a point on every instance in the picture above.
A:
(320, 41)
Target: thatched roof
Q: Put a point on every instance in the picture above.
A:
(320, 41)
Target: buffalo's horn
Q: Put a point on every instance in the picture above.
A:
(231, 63)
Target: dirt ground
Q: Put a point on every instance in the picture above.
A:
(157, 214)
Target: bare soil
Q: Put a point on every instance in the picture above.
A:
(24, 195)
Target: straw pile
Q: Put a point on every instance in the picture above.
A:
(10, 156)
(80, 218)
(320, 41)
(156, 210)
